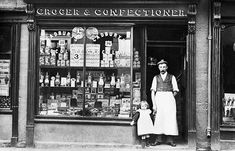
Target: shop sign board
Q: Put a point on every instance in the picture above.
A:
(112, 12)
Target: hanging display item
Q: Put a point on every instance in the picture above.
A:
(78, 33)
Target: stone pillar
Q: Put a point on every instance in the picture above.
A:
(31, 76)
(202, 141)
(216, 77)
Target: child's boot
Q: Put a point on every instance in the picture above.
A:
(143, 143)
(147, 142)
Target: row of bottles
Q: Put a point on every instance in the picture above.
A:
(58, 81)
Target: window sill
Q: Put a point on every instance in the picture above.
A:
(82, 120)
(227, 127)
(5, 111)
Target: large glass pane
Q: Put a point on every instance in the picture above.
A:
(5, 66)
(86, 71)
(108, 88)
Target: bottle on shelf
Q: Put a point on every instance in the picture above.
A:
(41, 80)
(122, 83)
(78, 80)
(112, 83)
(57, 79)
(52, 82)
(68, 80)
(118, 83)
(89, 79)
(101, 81)
(47, 80)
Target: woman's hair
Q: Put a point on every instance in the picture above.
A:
(144, 102)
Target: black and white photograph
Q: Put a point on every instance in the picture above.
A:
(117, 75)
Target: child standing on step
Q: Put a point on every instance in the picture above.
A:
(144, 123)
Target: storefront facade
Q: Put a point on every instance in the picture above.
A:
(90, 64)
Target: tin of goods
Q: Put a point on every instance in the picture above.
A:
(62, 62)
(53, 45)
(61, 56)
(136, 59)
(58, 63)
(62, 49)
(136, 52)
(53, 52)
(66, 56)
(111, 63)
(47, 60)
(67, 63)
(53, 61)
(42, 60)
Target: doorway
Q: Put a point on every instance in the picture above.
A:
(169, 43)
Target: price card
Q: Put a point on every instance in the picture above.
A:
(76, 55)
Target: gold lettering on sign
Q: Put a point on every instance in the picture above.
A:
(130, 12)
(87, 12)
(40, 11)
(145, 12)
(122, 12)
(68, 12)
(138, 12)
(62, 12)
(47, 12)
(97, 12)
(111, 12)
(76, 12)
(105, 12)
(54, 12)
(158, 12)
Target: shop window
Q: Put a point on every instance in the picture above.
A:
(5, 62)
(228, 101)
(88, 71)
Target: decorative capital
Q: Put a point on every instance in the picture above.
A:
(216, 13)
(31, 19)
(192, 11)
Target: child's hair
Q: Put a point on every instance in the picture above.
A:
(144, 102)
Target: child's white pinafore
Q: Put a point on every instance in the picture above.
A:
(144, 123)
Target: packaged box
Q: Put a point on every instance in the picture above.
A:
(100, 96)
(105, 102)
(41, 60)
(93, 90)
(63, 81)
(87, 96)
(93, 96)
(47, 60)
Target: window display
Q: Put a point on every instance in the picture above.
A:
(87, 71)
(228, 100)
(5, 67)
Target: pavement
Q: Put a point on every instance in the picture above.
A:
(94, 149)
(104, 147)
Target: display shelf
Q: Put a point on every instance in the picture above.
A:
(59, 67)
(60, 87)
(88, 68)
(107, 68)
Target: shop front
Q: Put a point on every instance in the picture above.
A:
(90, 65)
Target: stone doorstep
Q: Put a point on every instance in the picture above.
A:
(71, 145)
